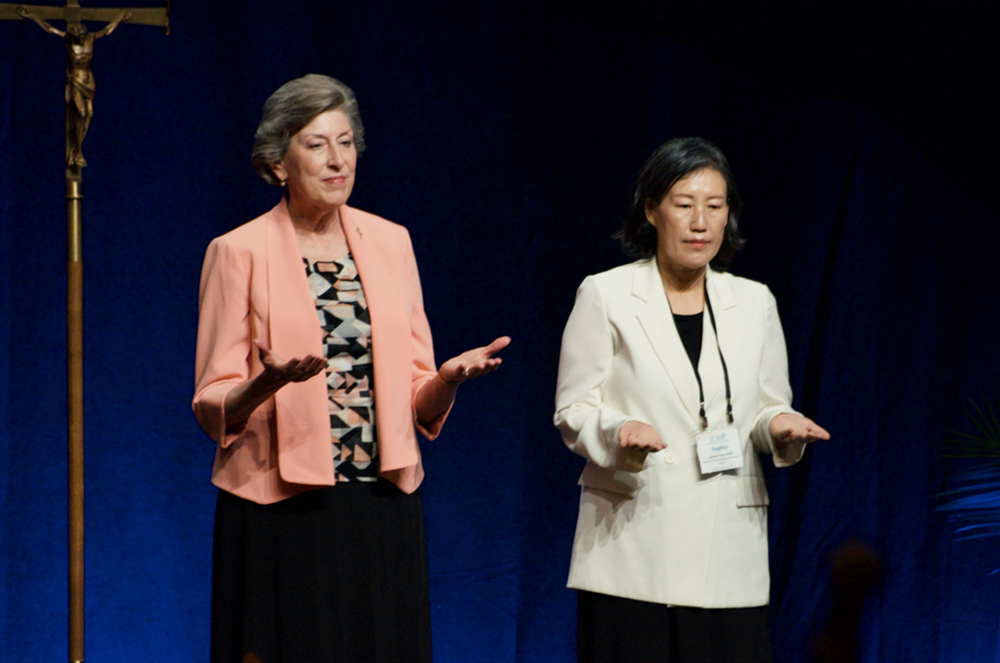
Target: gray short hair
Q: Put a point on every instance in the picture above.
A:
(294, 105)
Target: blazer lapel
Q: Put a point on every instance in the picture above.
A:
(724, 337)
(301, 418)
(383, 267)
(381, 293)
(657, 323)
(293, 326)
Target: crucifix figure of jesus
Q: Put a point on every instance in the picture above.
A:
(80, 86)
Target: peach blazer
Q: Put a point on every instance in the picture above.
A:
(253, 285)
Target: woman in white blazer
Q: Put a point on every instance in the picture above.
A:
(661, 358)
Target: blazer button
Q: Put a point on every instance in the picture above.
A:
(670, 458)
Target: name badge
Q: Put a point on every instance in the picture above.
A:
(719, 449)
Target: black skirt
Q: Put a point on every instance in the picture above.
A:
(334, 574)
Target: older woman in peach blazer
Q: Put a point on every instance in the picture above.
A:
(296, 422)
(314, 352)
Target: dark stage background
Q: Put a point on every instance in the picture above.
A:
(505, 135)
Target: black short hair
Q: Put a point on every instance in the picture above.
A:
(671, 162)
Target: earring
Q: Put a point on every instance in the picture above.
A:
(282, 183)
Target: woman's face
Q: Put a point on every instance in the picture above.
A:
(690, 220)
(318, 167)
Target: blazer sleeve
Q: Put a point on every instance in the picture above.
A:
(775, 391)
(424, 368)
(589, 426)
(222, 359)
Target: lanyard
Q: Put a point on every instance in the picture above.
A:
(725, 372)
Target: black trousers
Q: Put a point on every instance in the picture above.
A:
(611, 629)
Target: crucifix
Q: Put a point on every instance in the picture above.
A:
(80, 89)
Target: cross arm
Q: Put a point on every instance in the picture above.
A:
(139, 15)
(8, 10)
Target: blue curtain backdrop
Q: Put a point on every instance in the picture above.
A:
(504, 135)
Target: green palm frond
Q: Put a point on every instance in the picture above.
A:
(985, 442)
(973, 503)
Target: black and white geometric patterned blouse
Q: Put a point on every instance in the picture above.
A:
(343, 315)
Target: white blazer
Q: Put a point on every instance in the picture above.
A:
(652, 527)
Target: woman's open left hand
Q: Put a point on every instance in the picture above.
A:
(787, 428)
(473, 363)
(640, 437)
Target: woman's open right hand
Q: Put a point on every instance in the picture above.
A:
(279, 372)
(243, 399)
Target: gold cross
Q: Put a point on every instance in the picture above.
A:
(80, 86)
(80, 90)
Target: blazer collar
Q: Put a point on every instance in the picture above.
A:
(383, 291)
(292, 308)
(720, 290)
(354, 233)
(656, 319)
(647, 285)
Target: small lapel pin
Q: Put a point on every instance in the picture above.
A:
(360, 234)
